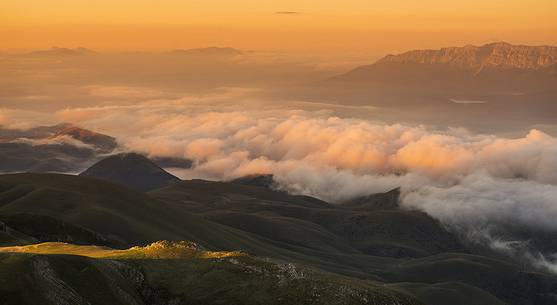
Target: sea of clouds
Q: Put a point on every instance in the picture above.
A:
(468, 181)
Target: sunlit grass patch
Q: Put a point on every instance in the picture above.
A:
(156, 250)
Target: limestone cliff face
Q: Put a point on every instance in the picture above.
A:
(476, 58)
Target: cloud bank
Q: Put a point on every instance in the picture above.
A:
(226, 143)
(466, 180)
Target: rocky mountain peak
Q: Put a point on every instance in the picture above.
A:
(476, 58)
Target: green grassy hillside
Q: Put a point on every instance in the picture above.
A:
(37, 228)
(366, 227)
(171, 273)
(407, 250)
(111, 210)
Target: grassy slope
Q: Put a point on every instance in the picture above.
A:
(454, 293)
(60, 280)
(14, 238)
(138, 218)
(368, 230)
(164, 271)
(307, 221)
(112, 210)
(35, 228)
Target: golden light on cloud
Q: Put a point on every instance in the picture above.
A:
(321, 25)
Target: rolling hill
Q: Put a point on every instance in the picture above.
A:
(114, 212)
(132, 170)
(172, 273)
(276, 215)
(403, 250)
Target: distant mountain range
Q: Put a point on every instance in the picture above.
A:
(55, 51)
(209, 52)
(194, 52)
(495, 67)
(476, 58)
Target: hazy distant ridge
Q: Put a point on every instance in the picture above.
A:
(500, 55)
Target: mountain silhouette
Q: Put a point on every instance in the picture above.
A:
(132, 170)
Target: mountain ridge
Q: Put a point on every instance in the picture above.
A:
(476, 58)
(208, 51)
(102, 141)
(494, 71)
(57, 51)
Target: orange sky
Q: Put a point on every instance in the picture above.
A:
(325, 25)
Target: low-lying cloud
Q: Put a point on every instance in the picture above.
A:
(226, 143)
(480, 199)
(466, 180)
